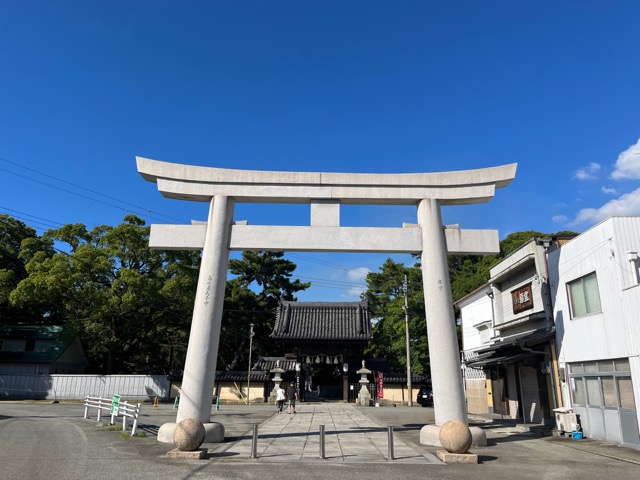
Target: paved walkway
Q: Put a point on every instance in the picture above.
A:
(350, 436)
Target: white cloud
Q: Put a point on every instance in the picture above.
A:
(625, 205)
(609, 191)
(353, 293)
(628, 163)
(559, 218)
(590, 172)
(358, 274)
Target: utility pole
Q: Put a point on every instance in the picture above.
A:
(249, 371)
(405, 286)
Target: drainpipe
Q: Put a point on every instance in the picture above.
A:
(546, 243)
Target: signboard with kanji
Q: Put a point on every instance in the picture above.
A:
(380, 385)
(522, 298)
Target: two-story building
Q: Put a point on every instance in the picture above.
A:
(595, 282)
(509, 338)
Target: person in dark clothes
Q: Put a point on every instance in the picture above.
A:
(292, 395)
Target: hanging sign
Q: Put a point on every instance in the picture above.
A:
(522, 299)
(380, 385)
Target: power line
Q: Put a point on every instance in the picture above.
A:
(321, 262)
(7, 209)
(142, 209)
(336, 282)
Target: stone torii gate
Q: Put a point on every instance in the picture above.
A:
(325, 192)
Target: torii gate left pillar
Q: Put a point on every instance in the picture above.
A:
(325, 192)
(204, 338)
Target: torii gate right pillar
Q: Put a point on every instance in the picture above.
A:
(446, 374)
(441, 327)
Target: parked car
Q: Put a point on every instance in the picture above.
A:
(425, 397)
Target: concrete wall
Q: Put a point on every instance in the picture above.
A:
(68, 387)
(236, 393)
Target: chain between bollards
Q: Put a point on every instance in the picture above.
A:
(391, 455)
(254, 442)
(322, 441)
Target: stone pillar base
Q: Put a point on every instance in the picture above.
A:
(195, 455)
(430, 435)
(213, 432)
(448, 457)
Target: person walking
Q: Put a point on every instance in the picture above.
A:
(280, 398)
(292, 395)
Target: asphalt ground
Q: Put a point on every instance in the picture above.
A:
(53, 441)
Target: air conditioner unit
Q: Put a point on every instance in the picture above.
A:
(566, 420)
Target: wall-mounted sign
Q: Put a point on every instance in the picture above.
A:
(522, 298)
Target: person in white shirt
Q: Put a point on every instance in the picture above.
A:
(280, 398)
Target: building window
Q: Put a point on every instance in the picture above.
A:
(602, 383)
(14, 345)
(584, 296)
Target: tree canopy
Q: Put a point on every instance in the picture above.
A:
(385, 296)
(130, 305)
(261, 280)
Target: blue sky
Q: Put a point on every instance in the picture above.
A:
(350, 86)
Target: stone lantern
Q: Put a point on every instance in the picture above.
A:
(277, 379)
(364, 397)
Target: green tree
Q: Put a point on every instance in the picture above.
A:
(261, 280)
(385, 296)
(19, 243)
(131, 305)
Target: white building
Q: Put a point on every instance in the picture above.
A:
(596, 292)
(508, 339)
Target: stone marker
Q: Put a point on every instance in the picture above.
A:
(455, 437)
(187, 437)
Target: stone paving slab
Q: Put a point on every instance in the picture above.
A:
(351, 436)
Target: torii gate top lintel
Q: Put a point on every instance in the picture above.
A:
(196, 183)
(325, 192)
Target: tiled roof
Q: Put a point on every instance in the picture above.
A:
(269, 363)
(394, 377)
(241, 376)
(322, 321)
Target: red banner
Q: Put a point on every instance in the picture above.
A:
(380, 385)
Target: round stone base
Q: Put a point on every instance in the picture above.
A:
(430, 435)
(213, 432)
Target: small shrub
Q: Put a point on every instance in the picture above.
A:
(139, 435)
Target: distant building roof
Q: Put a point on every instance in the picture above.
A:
(269, 363)
(241, 376)
(33, 343)
(346, 322)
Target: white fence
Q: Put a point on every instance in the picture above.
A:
(68, 387)
(123, 409)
